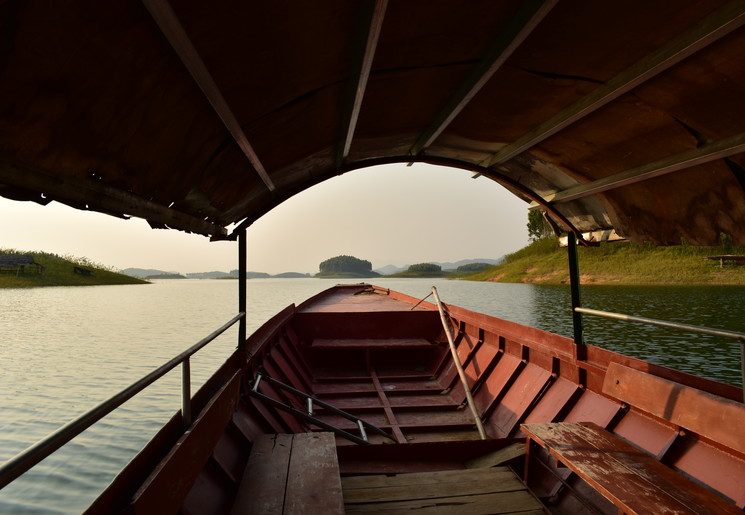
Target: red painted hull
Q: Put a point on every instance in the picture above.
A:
(365, 351)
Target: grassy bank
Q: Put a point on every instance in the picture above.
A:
(60, 271)
(544, 262)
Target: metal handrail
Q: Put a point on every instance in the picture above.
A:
(723, 333)
(663, 323)
(25, 460)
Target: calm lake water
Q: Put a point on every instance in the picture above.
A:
(64, 350)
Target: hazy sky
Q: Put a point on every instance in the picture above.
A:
(387, 215)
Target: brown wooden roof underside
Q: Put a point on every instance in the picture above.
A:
(198, 115)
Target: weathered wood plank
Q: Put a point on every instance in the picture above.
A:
(424, 478)
(627, 476)
(262, 489)
(498, 457)
(498, 503)
(371, 343)
(313, 483)
(434, 490)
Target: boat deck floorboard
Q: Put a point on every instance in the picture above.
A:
(467, 492)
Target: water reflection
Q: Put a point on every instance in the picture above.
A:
(710, 306)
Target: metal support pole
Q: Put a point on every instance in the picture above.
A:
(186, 394)
(574, 285)
(459, 366)
(242, 287)
(742, 367)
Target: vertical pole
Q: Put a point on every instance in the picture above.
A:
(242, 269)
(742, 367)
(574, 285)
(185, 394)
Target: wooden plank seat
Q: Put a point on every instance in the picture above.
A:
(291, 474)
(631, 479)
(466, 492)
(371, 343)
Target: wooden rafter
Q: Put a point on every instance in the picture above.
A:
(170, 26)
(520, 26)
(713, 27)
(681, 161)
(375, 12)
(105, 198)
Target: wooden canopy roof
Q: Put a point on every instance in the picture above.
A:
(198, 115)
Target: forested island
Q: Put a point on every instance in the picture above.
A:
(341, 267)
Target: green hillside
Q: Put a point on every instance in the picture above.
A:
(544, 262)
(59, 271)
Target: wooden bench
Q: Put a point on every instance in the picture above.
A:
(631, 479)
(291, 474)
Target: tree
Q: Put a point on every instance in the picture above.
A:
(473, 267)
(342, 264)
(538, 226)
(425, 267)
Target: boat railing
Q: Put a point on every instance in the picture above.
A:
(722, 333)
(28, 458)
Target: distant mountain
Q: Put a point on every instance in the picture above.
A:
(393, 269)
(453, 266)
(166, 276)
(291, 275)
(208, 275)
(141, 273)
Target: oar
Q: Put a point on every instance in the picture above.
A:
(459, 365)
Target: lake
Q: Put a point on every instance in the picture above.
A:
(64, 350)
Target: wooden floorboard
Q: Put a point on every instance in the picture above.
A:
(313, 484)
(466, 492)
(269, 460)
(292, 475)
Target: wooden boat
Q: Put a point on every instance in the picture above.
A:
(257, 444)
(619, 120)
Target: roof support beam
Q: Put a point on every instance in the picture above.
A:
(531, 13)
(172, 29)
(710, 29)
(681, 161)
(368, 42)
(107, 199)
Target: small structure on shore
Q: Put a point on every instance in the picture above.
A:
(733, 259)
(18, 262)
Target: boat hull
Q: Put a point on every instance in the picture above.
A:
(383, 357)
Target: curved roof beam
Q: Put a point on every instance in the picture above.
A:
(364, 54)
(172, 29)
(681, 161)
(710, 29)
(520, 26)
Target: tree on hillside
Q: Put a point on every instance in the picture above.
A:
(425, 267)
(473, 267)
(342, 264)
(538, 226)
